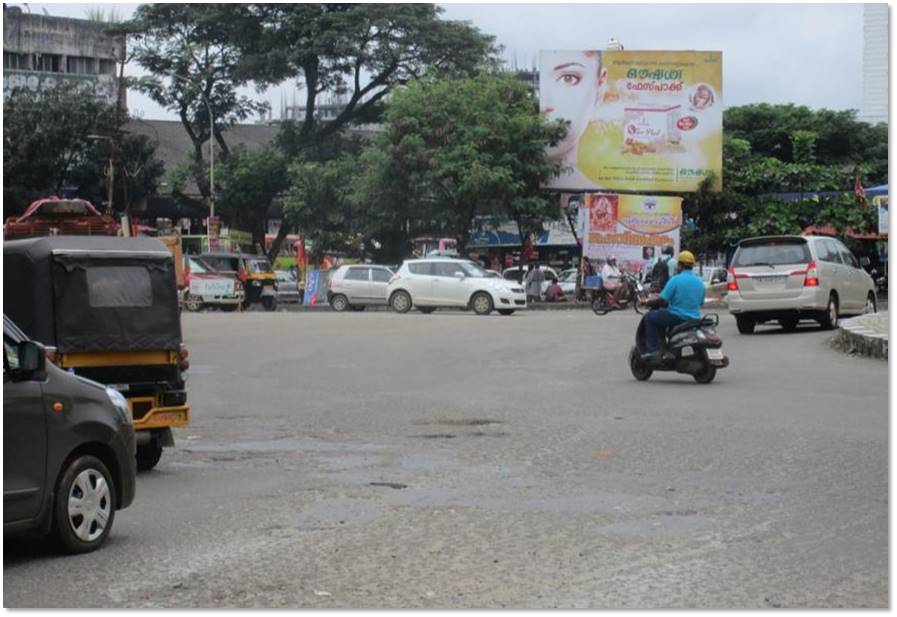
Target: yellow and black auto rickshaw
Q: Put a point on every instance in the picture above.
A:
(108, 309)
(254, 271)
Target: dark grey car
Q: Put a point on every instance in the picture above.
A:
(68, 449)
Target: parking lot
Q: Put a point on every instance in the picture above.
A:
(375, 460)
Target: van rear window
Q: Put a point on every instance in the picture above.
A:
(772, 253)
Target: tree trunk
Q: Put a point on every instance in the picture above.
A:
(278, 240)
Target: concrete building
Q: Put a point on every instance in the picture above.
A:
(41, 51)
(875, 63)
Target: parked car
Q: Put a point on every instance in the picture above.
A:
(287, 286)
(518, 275)
(254, 271)
(493, 274)
(431, 283)
(205, 287)
(567, 281)
(358, 286)
(789, 278)
(714, 279)
(68, 449)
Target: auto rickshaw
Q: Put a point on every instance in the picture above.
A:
(108, 309)
(254, 271)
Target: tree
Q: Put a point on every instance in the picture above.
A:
(197, 66)
(453, 149)
(248, 183)
(63, 138)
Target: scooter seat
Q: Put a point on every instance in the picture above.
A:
(685, 325)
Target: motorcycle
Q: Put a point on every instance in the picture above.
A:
(631, 292)
(691, 347)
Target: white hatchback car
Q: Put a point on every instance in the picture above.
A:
(789, 278)
(431, 283)
(357, 286)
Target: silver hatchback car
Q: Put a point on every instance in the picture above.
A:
(789, 278)
(357, 286)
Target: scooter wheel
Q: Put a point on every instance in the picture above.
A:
(640, 370)
(706, 374)
(600, 307)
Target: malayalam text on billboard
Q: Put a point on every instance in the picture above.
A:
(638, 120)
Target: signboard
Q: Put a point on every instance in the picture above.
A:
(639, 120)
(632, 228)
(102, 86)
(881, 202)
(315, 287)
(211, 286)
(237, 236)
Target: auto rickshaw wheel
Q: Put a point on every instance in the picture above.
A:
(193, 303)
(148, 455)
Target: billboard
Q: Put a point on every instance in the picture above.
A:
(632, 228)
(639, 120)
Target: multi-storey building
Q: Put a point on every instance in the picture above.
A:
(41, 51)
(875, 63)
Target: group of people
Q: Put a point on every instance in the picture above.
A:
(533, 280)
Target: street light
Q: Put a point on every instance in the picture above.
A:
(211, 145)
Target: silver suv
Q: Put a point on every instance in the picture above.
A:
(357, 286)
(789, 278)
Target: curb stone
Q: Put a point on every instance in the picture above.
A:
(865, 335)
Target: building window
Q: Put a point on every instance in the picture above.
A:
(81, 65)
(12, 60)
(107, 67)
(48, 63)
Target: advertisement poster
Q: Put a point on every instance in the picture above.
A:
(881, 203)
(632, 228)
(211, 287)
(639, 120)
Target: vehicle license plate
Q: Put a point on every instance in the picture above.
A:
(770, 281)
(715, 354)
(267, 291)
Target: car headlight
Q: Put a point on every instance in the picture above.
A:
(120, 403)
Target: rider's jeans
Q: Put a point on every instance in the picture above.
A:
(656, 323)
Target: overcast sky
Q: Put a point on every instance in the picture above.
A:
(810, 54)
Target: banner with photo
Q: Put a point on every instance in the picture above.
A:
(881, 204)
(639, 120)
(632, 228)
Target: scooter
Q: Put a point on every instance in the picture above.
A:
(691, 347)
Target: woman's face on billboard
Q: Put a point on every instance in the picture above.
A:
(569, 91)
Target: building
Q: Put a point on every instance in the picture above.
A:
(41, 51)
(875, 63)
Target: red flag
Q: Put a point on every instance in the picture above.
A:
(859, 192)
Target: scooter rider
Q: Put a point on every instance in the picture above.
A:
(683, 296)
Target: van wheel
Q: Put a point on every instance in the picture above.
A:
(829, 319)
(85, 505)
(193, 303)
(339, 303)
(745, 324)
(400, 302)
(148, 455)
(871, 306)
(481, 303)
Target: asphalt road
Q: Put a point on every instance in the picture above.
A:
(375, 460)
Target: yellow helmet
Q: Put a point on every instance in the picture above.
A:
(686, 258)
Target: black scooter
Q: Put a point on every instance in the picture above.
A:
(691, 347)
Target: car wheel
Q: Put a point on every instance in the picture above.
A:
(481, 303)
(870, 306)
(506, 312)
(426, 310)
(339, 303)
(640, 370)
(789, 324)
(85, 505)
(148, 455)
(745, 324)
(193, 303)
(400, 302)
(829, 319)
(706, 374)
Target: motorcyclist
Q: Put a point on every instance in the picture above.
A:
(611, 278)
(682, 297)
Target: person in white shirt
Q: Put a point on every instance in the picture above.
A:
(611, 278)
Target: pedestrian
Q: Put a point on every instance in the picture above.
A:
(534, 279)
(554, 293)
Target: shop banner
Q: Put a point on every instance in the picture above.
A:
(632, 228)
(639, 120)
(211, 287)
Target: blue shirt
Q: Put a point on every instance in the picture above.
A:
(684, 294)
